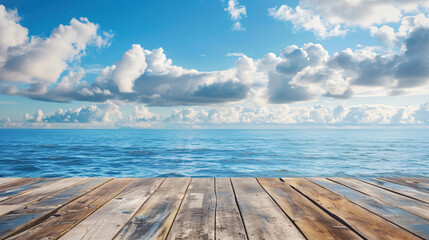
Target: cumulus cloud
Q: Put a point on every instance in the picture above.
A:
(41, 61)
(236, 11)
(296, 74)
(391, 37)
(333, 18)
(132, 65)
(341, 115)
(109, 114)
(106, 112)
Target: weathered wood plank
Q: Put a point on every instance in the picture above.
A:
(420, 179)
(313, 222)
(399, 189)
(400, 217)
(34, 195)
(154, 219)
(263, 219)
(74, 212)
(22, 185)
(6, 180)
(364, 222)
(107, 221)
(413, 206)
(229, 225)
(196, 216)
(409, 182)
(28, 216)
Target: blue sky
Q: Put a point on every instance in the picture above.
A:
(200, 35)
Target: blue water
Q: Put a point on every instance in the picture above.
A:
(213, 153)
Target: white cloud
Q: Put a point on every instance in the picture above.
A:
(132, 66)
(37, 117)
(11, 33)
(234, 54)
(387, 34)
(296, 74)
(237, 12)
(332, 17)
(302, 18)
(109, 114)
(355, 115)
(41, 61)
(237, 27)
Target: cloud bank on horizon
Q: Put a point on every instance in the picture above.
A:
(108, 115)
(44, 68)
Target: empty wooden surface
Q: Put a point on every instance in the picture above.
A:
(208, 208)
(313, 221)
(364, 222)
(107, 221)
(408, 204)
(398, 216)
(155, 217)
(229, 224)
(196, 218)
(263, 219)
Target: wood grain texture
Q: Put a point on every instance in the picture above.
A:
(28, 216)
(361, 220)
(6, 180)
(263, 219)
(400, 217)
(313, 222)
(34, 195)
(409, 182)
(107, 221)
(74, 212)
(22, 185)
(196, 217)
(413, 206)
(229, 225)
(399, 189)
(154, 219)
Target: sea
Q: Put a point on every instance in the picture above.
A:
(214, 153)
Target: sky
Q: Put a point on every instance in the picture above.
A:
(214, 64)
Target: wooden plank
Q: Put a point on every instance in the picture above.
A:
(313, 222)
(229, 225)
(6, 180)
(399, 189)
(196, 217)
(365, 223)
(154, 219)
(20, 200)
(74, 212)
(409, 182)
(22, 185)
(41, 192)
(263, 219)
(413, 206)
(420, 179)
(107, 221)
(400, 217)
(28, 216)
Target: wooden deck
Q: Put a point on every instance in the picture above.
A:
(208, 208)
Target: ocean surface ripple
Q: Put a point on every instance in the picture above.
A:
(214, 153)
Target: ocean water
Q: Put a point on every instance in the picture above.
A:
(213, 153)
